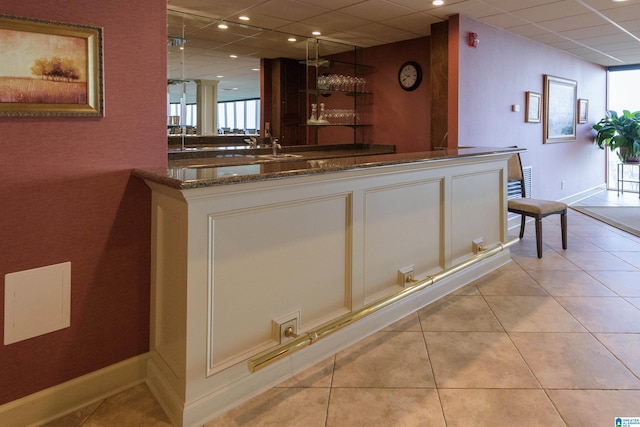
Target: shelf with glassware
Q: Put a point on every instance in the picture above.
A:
(337, 94)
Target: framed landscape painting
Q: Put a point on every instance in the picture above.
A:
(559, 109)
(50, 68)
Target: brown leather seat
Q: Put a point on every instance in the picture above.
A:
(535, 208)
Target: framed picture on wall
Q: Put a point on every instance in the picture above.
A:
(583, 110)
(559, 109)
(50, 68)
(533, 107)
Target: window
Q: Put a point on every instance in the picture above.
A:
(624, 94)
(241, 115)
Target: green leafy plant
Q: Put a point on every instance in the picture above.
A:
(621, 133)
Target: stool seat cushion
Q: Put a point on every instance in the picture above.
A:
(536, 206)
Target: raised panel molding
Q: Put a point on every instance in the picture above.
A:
(402, 228)
(267, 261)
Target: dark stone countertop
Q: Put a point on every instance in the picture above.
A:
(214, 171)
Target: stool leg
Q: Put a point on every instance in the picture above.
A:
(563, 227)
(539, 236)
(522, 221)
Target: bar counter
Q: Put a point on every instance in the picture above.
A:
(231, 168)
(243, 247)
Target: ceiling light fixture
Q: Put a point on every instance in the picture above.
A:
(223, 26)
(316, 33)
(233, 56)
(437, 2)
(291, 39)
(243, 18)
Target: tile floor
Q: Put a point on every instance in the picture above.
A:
(539, 342)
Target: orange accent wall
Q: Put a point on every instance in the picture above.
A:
(66, 195)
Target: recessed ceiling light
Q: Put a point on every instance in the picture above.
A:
(223, 26)
(291, 39)
(233, 56)
(316, 33)
(219, 77)
(437, 2)
(243, 18)
(255, 69)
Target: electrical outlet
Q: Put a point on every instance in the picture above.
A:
(477, 245)
(405, 275)
(285, 328)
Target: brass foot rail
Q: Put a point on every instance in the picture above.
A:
(305, 339)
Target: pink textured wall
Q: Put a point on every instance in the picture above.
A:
(400, 117)
(66, 195)
(496, 75)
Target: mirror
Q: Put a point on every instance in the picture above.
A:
(200, 52)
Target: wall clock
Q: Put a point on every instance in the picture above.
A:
(410, 75)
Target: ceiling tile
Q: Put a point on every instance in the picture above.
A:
(418, 23)
(335, 21)
(376, 10)
(288, 9)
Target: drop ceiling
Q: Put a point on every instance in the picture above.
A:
(600, 31)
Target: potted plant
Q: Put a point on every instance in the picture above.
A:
(620, 133)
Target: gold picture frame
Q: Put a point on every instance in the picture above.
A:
(583, 110)
(50, 68)
(533, 107)
(560, 106)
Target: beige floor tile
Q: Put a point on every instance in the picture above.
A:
(469, 289)
(598, 261)
(477, 360)
(319, 375)
(570, 283)
(603, 314)
(595, 407)
(279, 407)
(632, 258)
(135, 407)
(574, 243)
(511, 265)
(594, 231)
(513, 282)
(76, 418)
(550, 260)
(498, 408)
(532, 314)
(411, 323)
(619, 243)
(366, 407)
(385, 359)
(572, 361)
(626, 347)
(459, 313)
(623, 283)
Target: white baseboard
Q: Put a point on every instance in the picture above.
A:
(55, 402)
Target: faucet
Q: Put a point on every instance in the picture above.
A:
(275, 146)
(252, 141)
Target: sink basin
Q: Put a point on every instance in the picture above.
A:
(279, 156)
